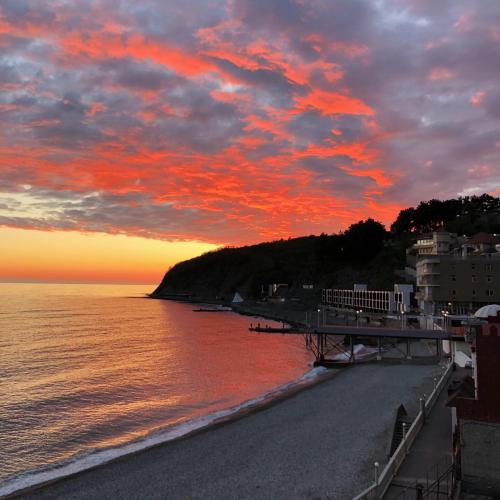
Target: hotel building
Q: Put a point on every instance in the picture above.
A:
(460, 280)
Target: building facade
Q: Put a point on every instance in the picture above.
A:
(383, 301)
(460, 284)
(437, 243)
(476, 416)
(458, 278)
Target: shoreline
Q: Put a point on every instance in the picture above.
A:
(292, 316)
(257, 407)
(319, 442)
(274, 398)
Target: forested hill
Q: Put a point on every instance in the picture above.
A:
(466, 215)
(365, 252)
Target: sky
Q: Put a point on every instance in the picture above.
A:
(137, 134)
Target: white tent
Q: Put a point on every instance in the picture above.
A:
(487, 311)
(237, 298)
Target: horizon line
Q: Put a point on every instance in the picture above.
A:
(31, 281)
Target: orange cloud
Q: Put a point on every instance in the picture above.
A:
(104, 45)
(358, 152)
(332, 103)
(377, 174)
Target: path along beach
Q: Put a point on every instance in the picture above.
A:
(319, 443)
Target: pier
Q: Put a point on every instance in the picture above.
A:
(334, 346)
(340, 341)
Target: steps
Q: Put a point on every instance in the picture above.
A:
(402, 420)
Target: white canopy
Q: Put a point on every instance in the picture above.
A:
(487, 311)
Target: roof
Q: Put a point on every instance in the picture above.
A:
(484, 238)
(491, 310)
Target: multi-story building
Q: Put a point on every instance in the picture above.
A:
(476, 411)
(461, 280)
(437, 243)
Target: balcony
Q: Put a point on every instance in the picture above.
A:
(424, 243)
(422, 282)
(428, 269)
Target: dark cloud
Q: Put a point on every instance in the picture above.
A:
(9, 74)
(63, 123)
(27, 11)
(216, 120)
(142, 76)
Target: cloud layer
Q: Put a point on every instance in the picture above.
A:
(236, 121)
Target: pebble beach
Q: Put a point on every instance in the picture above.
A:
(316, 444)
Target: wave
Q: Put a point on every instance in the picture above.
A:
(96, 457)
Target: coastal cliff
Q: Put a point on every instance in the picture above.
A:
(365, 253)
(304, 264)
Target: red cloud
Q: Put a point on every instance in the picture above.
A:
(235, 129)
(332, 103)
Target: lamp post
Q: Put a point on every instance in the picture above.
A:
(319, 311)
(358, 312)
(445, 314)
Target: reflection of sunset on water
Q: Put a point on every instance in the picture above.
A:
(84, 367)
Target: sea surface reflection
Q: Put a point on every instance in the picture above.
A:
(88, 367)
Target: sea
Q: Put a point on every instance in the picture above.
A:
(89, 373)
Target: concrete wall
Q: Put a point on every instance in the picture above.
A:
(480, 456)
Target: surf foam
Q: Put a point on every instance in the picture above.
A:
(97, 457)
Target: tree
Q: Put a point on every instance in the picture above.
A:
(363, 240)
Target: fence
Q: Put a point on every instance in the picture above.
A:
(382, 482)
(437, 483)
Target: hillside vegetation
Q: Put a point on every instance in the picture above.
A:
(365, 253)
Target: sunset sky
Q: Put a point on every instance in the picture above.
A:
(137, 134)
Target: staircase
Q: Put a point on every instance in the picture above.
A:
(402, 422)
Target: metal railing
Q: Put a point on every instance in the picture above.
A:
(382, 482)
(438, 483)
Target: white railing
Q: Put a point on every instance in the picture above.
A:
(378, 489)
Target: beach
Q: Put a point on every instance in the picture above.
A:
(318, 443)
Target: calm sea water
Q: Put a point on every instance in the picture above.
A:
(89, 372)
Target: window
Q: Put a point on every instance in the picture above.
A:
(453, 277)
(473, 278)
(453, 292)
(473, 292)
(489, 293)
(489, 279)
(488, 267)
(473, 266)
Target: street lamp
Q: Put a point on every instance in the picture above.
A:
(445, 314)
(319, 310)
(358, 312)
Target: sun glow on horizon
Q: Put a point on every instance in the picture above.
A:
(231, 122)
(68, 256)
